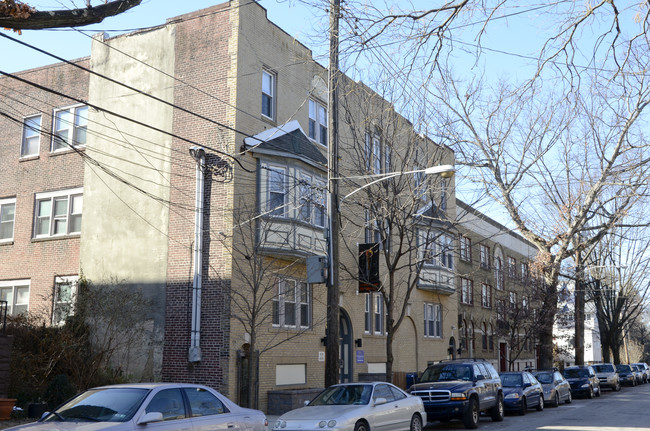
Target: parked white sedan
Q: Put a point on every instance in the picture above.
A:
(376, 406)
(150, 406)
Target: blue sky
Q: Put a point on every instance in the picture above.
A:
(291, 15)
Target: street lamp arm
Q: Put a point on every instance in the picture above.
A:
(445, 171)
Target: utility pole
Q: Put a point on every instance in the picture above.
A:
(332, 359)
(579, 311)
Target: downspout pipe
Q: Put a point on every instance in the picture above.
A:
(194, 354)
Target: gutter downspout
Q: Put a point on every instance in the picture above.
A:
(194, 354)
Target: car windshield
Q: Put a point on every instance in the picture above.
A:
(511, 380)
(576, 373)
(343, 396)
(446, 372)
(623, 368)
(603, 368)
(101, 405)
(544, 377)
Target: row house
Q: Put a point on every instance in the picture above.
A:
(497, 292)
(197, 176)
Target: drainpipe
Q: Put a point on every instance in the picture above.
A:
(194, 354)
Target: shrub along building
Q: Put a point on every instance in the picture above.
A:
(204, 187)
(496, 293)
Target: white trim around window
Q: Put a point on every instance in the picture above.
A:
(31, 141)
(16, 293)
(268, 94)
(277, 194)
(7, 219)
(58, 213)
(292, 304)
(432, 320)
(317, 122)
(69, 128)
(65, 297)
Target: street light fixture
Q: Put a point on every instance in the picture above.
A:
(333, 291)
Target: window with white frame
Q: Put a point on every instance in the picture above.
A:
(277, 189)
(512, 267)
(437, 249)
(486, 295)
(376, 154)
(31, 142)
(524, 303)
(58, 213)
(292, 304)
(501, 309)
(498, 273)
(432, 320)
(268, 94)
(70, 128)
(387, 158)
(465, 248)
(65, 294)
(466, 294)
(7, 219)
(317, 122)
(378, 310)
(484, 252)
(513, 300)
(368, 314)
(373, 235)
(311, 200)
(16, 294)
(524, 271)
(443, 194)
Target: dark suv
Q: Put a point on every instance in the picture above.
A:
(583, 381)
(460, 389)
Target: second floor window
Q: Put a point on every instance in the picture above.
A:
(317, 122)
(58, 213)
(486, 295)
(432, 320)
(292, 304)
(7, 218)
(277, 186)
(524, 271)
(70, 127)
(268, 94)
(466, 294)
(512, 267)
(312, 200)
(31, 136)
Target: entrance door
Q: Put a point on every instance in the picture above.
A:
(503, 364)
(345, 348)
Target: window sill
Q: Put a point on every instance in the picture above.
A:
(67, 151)
(6, 243)
(56, 238)
(268, 120)
(28, 158)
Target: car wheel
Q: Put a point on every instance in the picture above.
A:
(416, 423)
(498, 412)
(569, 398)
(540, 405)
(617, 387)
(524, 407)
(556, 399)
(598, 393)
(361, 426)
(590, 393)
(471, 415)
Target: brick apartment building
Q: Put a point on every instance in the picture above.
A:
(205, 189)
(496, 287)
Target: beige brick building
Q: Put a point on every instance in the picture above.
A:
(207, 192)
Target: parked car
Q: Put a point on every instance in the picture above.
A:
(626, 374)
(461, 389)
(638, 373)
(556, 388)
(521, 391)
(607, 376)
(646, 370)
(357, 407)
(583, 381)
(163, 406)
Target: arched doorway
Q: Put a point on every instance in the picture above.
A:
(345, 348)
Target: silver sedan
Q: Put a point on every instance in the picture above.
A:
(376, 406)
(150, 406)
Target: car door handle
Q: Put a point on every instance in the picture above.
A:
(231, 425)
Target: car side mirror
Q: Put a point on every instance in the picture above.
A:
(527, 385)
(480, 377)
(306, 403)
(380, 401)
(150, 417)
